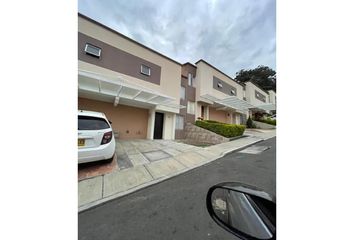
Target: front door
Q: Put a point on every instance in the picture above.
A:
(158, 125)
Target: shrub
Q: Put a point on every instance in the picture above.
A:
(223, 129)
(212, 121)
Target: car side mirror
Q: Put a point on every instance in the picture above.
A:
(243, 210)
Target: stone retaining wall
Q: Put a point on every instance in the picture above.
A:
(200, 135)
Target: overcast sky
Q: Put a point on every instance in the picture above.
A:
(229, 34)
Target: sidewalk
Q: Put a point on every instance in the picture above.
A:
(176, 158)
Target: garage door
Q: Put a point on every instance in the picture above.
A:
(128, 122)
(218, 115)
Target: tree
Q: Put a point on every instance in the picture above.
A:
(262, 76)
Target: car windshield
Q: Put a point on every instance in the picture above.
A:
(91, 123)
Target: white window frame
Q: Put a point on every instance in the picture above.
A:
(191, 107)
(219, 85)
(190, 79)
(184, 93)
(142, 72)
(233, 92)
(260, 97)
(89, 45)
(179, 122)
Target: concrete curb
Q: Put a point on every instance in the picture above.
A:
(155, 181)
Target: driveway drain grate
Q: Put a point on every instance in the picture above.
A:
(156, 155)
(255, 149)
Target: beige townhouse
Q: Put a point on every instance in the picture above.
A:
(264, 101)
(219, 97)
(136, 87)
(147, 95)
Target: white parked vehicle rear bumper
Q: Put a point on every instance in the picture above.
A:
(103, 152)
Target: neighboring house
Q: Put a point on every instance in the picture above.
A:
(147, 95)
(273, 101)
(272, 96)
(263, 100)
(218, 96)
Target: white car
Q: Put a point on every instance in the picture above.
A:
(95, 137)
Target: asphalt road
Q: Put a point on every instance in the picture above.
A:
(175, 209)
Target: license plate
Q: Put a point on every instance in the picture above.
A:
(81, 142)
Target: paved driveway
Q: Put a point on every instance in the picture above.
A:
(141, 163)
(132, 153)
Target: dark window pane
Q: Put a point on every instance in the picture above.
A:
(92, 123)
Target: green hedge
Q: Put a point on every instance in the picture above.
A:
(268, 121)
(212, 121)
(223, 129)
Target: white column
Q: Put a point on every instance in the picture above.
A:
(169, 123)
(230, 117)
(238, 118)
(165, 126)
(174, 116)
(249, 113)
(198, 111)
(151, 124)
(206, 109)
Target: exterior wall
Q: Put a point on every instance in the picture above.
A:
(170, 70)
(190, 92)
(188, 68)
(272, 97)
(117, 60)
(250, 94)
(189, 96)
(204, 80)
(236, 118)
(180, 134)
(218, 115)
(198, 110)
(129, 122)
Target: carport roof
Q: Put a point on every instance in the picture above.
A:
(267, 107)
(116, 89)
(233, 103)
(229, 103)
